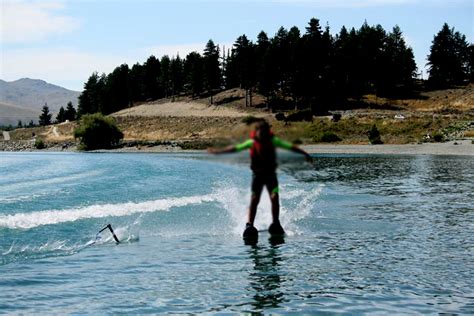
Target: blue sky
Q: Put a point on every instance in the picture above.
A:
(63, 42)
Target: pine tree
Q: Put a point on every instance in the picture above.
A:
(280, 42)
(448, 60)
(294, 76)
(230, 71)
(118, 90)
(70, 113)
(20, 124)
(343, 56)
(176, 76)
(93, 98)
(86, 98)
(265, 58)
(194, 72)
(398, 65)
(45, 117)
(355, 76)
(261, 50)
(138, 91)
(153, 88)
(164, 80)
(327, 75)
(212, 69)
(370, 59)
(312, 61)
(61, 116)
(471, 63)
(243, 55)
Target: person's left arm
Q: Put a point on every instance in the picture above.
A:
(292, 147)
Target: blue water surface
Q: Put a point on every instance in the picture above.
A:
(386, 234)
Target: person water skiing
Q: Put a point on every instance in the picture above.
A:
(262, 145)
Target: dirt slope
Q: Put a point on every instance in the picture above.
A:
(183, 109)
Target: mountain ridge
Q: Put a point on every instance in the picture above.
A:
(12, 114)
(34, 93)
(24, 98)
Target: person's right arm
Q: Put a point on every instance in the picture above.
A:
(232, 148)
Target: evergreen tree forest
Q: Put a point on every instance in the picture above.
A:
(312, 69)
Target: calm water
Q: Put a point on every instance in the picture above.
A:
(366, 234)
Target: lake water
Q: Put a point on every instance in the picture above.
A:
(365, 234)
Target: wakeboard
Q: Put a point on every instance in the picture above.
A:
(250, 235)
(275, 231)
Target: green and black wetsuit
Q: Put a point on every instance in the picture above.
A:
(263, 162)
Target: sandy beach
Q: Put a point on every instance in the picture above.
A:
(463, 148)
(458, 148)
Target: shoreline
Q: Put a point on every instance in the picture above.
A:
(451, 148)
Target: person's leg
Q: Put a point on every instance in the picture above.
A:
(275, 198)
(254, 200)
(257, 187)
(273, 191)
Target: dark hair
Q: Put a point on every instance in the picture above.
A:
(262, 124)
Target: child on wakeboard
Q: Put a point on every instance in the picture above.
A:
(262, 145)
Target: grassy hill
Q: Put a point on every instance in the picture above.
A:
(194, 123)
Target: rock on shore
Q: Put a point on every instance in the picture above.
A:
(29, 145)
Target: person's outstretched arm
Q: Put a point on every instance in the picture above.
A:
(297, 149)
(231, 149)
(225, 150)
(292, 147)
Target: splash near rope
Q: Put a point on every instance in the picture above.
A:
(97, 236)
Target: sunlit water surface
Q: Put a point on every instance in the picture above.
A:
(365, 234)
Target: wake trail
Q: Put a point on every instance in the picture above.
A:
(49, 217)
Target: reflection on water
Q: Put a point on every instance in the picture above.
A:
(265, 279)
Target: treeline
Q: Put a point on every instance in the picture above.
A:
(46, 117)
(316, 69)
(153, 80)
(68, 114)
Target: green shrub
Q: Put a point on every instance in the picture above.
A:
(374, 136)
(280, 116)
(330, 137)
(336, 117)
(250, 119)
(438, 137)
(97, 131)
(39, 144)
(300, 115)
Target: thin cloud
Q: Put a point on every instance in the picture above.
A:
(56, 65)
(32, 21)
(343, 3)
(368, 3)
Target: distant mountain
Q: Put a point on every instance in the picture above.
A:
(33, 94)
(11, 114)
